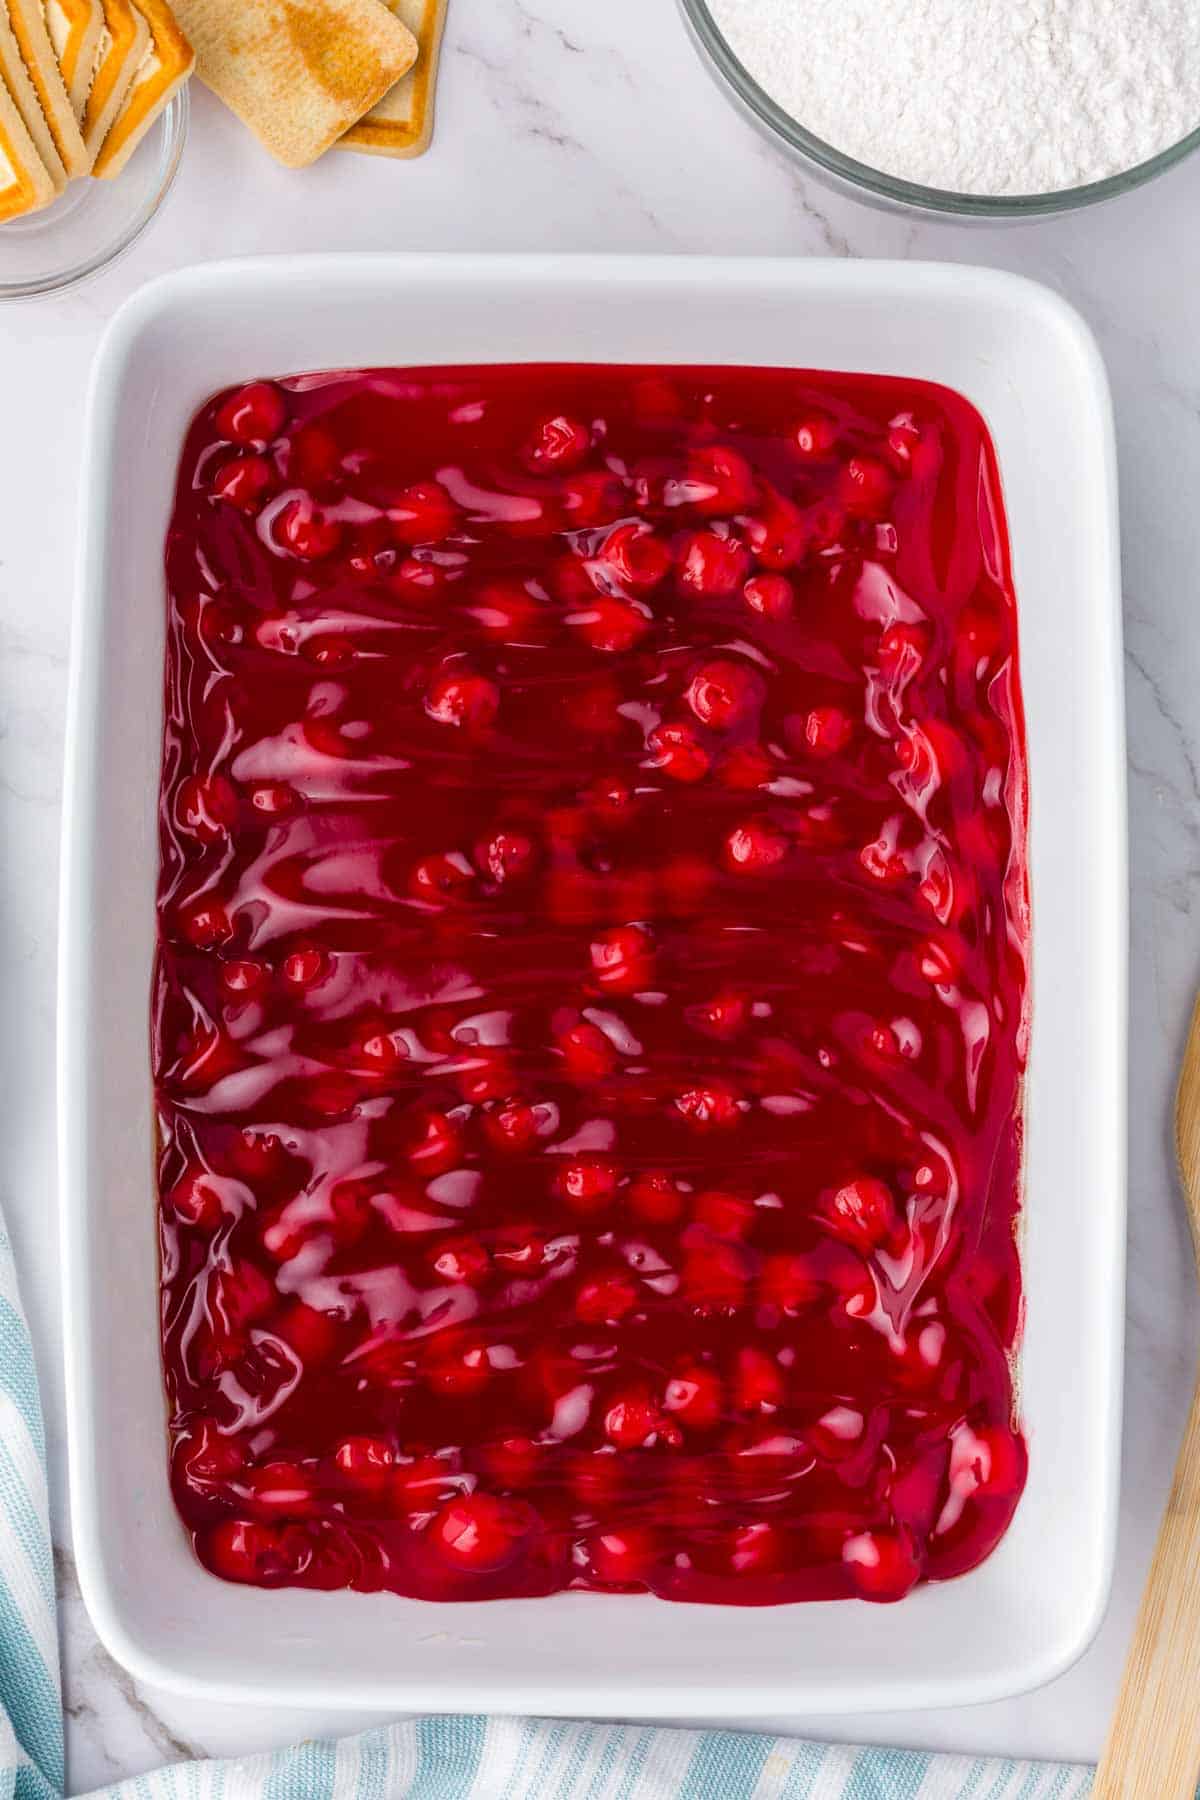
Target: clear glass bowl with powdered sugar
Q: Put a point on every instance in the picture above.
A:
(1048, 158)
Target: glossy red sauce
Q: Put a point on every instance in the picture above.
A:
(589, 1020)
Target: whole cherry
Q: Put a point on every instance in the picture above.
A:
(479, 1533)
(468, 702)
(557, 444)
(253, 415)
(723, 694)
(711, 567)
(305, 531)
(244, 482)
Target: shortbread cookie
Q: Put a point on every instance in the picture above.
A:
(25, 182)
(164, 68)
(402, 123)
(123, 43)
(24, 96)
(28, 21)
(75, 27)
(298, 76)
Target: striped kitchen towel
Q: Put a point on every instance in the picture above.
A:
(458, 1758)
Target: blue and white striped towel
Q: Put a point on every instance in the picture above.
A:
(459, 1758)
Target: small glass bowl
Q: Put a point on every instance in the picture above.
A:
(847, 176)
(92, 223)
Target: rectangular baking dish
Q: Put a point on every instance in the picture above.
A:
(1027, 361)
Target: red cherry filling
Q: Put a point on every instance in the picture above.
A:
(606, 1300)
(711, 566)
(678, 752)
(305, 966)
(244, 482)
(273, 798)
(622, 959)
(714, 1277)
(720, 480)
(253, 415)
(631, 1420)
(694, 1396)
(307, 532)
(556, 444)
(612, 625)
(655, 1198)
(593, 497)
(713, 1105)
(463, 1260)
(986, 1462)
(789, 1282)
(441, 880)
(745, 767)
(311, 458)
(621, 1558)
(245, 1550)
(206, 923)
(206, 806)
(588, 1054)
(863, 1212)
(724, 1016)
(196, 1199)
(365, 1462)
(312, 1335)
(723, 694)
(637, 558)
(881, 1564)
(258, 1156)
(422, 514)
(434, 1142)
(468, 702)
(754, 848)
(827, 731)
(755, 1549)
(771, 596)
(815, 435)
(479, 1533)
(279, 1490)
(586, 1185)
(865, 487)
(590, 1007)
(724, 1214)
(512, 1126)
(779, 538)
(206, 1458)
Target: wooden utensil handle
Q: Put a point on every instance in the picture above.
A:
(1153, 1748)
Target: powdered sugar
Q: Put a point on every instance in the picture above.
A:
(981, 96)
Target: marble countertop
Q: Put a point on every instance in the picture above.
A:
(570, 126)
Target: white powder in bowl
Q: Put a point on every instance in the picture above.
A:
(980, 96)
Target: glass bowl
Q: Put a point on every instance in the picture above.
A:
(847, 176)
(92, 223)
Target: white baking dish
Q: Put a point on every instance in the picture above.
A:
(1028, 362)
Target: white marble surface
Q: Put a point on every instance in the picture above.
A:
(568, 126)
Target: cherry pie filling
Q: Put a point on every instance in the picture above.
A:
(589, 1017)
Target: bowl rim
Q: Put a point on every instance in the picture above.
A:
(946, 202)
(171, 129)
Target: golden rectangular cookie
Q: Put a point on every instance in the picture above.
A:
(402, 123)
(28, 21)
(165, 67)
(297, 72)
(25, 182)
(124, 40)
(23, 95)
(74, 27)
